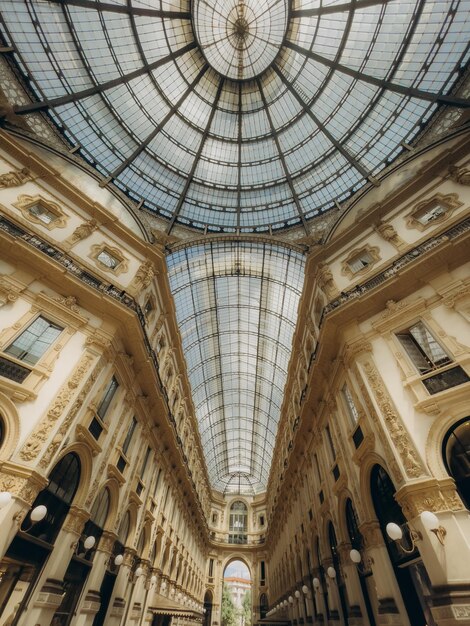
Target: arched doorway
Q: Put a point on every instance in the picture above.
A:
(409, 570)
(339, 578)
(208, 600)
(456, 453)
(237, 604)
(263, 605)
(32, 545)
(81, 562)
(357, 542)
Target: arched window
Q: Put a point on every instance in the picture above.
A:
(238, 524)
(456, 452)
(124, 527)
(100, 509)
(57, 497)
(95, 525)
(354, 533)
(263, 605)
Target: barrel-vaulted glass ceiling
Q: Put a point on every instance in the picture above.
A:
(238, 115)
(236, 305)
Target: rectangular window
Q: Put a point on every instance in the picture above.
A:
(145, 462)
(262, 571)
(130, 433)
(157, 483)
(107, 397)
(330, 443)
(211, 568)
(349, 401)
(317, 466)
(33, 342)
(425, 352)
(360, 261)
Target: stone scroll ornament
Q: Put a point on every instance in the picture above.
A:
(401, 440)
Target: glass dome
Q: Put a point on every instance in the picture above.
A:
(238, 115)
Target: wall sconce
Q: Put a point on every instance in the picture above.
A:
(356, 558)
(88, 544)
(5, 499)
(291, 600)
(316, 583)
(153, 580)
(305, 589)
(118, 559)
(297, 594)
(331, 572)
(395, 533)
(430, 522)
(138, 572)
(35, 516)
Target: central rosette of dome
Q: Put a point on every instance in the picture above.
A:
(240, 38)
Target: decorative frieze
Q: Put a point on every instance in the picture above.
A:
(40, 434)
(399, 436)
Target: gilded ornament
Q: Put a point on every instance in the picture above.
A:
(40, 434)
(388, 232)
(15, 178)
(83, 231)
(459, 175)
(398, 434)
(145, 274)
(70, 302)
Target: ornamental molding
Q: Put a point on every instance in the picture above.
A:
(15, 178)
(374, 253)
(429, 495)
(81, 232)
(25, 202)
(23, 482)
(460, 175)
(63, 307)
(448, 202)
(122, 262)
(396, 314)
(401, 440)
(36, 441)
(388, 233)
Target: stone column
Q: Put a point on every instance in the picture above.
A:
(333, 594)
(47, 596)
(91, 598)
(121, 591)
(356, 609)
(391, 608)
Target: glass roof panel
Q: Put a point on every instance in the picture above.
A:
(236, 306)
(238, 115)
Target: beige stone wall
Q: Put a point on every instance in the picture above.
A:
(114, 323)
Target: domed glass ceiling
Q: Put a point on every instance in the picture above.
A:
(238, 115)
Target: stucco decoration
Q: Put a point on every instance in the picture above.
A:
(400, 438)
(40, 434)
(15, 178)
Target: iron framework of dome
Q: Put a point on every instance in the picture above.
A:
(238, 115)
